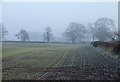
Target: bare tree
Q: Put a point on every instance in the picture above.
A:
(116, 35)
(22, 35)
(3, 32)
(92, 30)
(48, 34)
(103, 28)
(74, 31)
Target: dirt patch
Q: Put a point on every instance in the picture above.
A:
(67, 73)
(81, 73)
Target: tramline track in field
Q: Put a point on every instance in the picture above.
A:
(78, 57)
(72, 63)
(66, 53)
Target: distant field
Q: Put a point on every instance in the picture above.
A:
(36, 61)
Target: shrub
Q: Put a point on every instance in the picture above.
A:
(95, 44)
(116, 48)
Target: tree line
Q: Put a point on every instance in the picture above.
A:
(101, 30)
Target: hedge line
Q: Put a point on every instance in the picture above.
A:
(114, 46)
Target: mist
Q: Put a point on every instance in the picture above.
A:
(36, 16)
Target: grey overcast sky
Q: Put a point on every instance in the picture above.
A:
(35, 16)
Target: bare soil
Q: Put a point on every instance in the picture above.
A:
(81, 73)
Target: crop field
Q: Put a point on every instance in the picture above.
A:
(42, 61)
